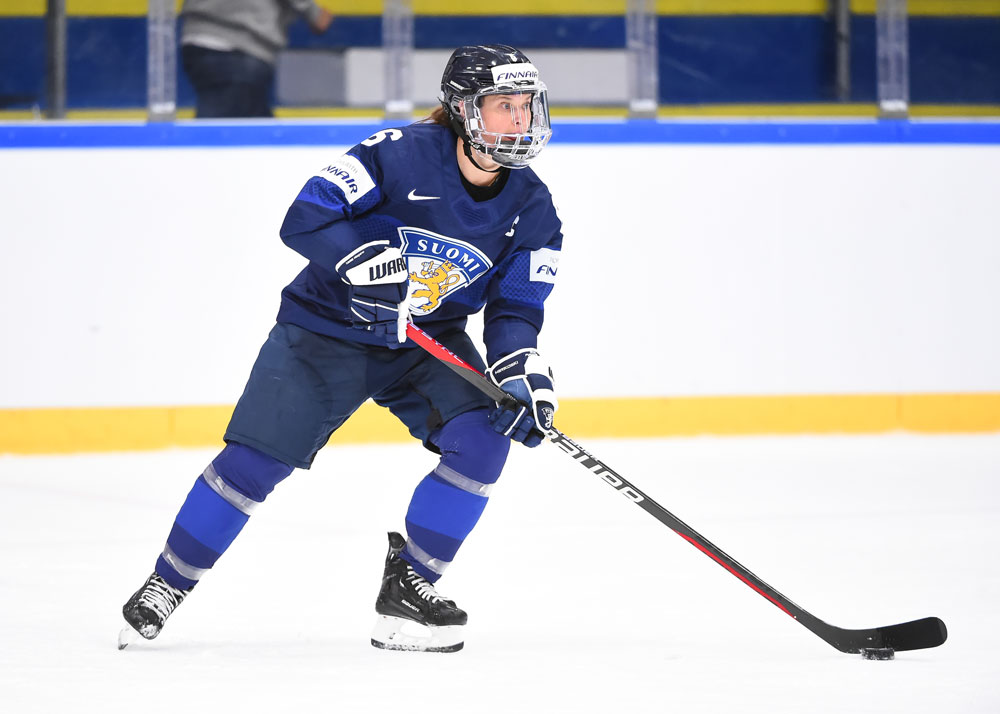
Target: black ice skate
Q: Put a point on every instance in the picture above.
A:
(408, 600)
(148, 609)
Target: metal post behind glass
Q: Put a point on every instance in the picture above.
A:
(641, 58)
(842, 18)
(55, 51)
(397, 51)
(892, 51)
(161, 79)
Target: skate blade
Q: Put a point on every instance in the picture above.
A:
(126, 637)
(396, 633)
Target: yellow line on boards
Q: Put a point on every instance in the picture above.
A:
(87, 8)
(50, 431)
(59, 431)
(935, 7)
(135, 8)
(805, 414)
(741, 7)
(535, 7)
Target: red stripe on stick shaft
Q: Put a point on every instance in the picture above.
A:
(436, 348)
(735, 572)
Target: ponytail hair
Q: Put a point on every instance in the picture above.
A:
(438, 116)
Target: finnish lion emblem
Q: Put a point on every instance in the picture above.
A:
(436, 281)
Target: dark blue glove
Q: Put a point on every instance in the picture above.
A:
(528, 378)
(377, 278)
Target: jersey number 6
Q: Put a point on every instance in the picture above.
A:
(378, 136)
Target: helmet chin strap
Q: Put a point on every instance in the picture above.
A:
(469, 152)
(458, 126)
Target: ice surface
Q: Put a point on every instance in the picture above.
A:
(578, 600)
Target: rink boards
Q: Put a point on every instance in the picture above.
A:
(717, 278)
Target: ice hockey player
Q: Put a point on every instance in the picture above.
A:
(432, 222)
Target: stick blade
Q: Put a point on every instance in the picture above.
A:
(914, 635)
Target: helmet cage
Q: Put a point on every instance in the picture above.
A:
(513, 149)
(463, 94)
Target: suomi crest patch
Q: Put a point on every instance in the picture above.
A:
(438, 266)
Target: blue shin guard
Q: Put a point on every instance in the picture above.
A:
(448, 502)
(215, 511)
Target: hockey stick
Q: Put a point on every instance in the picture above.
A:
(914, 635)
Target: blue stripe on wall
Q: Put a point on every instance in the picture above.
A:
(953, 60)
(746, 59)
(106, 61)
(441, 32)
(195, 134)
(594, 32)
(22, 61)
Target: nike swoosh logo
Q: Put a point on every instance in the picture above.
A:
(412, 195)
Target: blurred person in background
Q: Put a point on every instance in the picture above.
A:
(229, 49)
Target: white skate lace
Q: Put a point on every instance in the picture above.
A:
(161, 598)
(423, 586)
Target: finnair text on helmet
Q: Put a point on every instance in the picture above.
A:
(508, 76)
(518, 72)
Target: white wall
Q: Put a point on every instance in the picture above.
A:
(569, 75)
(151, 276)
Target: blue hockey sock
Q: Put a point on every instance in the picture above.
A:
(448, 502)
(215, 511)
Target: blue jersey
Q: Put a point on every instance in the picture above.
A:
(404, 185)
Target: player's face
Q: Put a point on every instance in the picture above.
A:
(506, 113)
